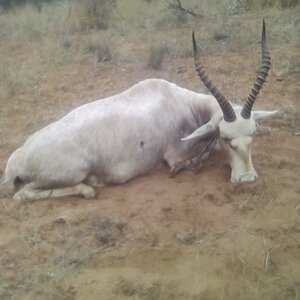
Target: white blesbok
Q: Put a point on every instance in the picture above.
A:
(112, 140)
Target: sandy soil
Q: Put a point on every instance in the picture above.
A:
(195, 236)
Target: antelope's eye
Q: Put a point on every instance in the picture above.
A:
(226, 140)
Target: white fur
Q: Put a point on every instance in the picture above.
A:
(121, 137)
(236, 138)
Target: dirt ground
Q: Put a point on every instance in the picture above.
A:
(194, 236)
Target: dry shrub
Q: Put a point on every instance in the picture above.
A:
(126, 18)
(94, 14)
(137, 290)
(101, 50)
(26, 24)
(13, 78)
(156, 56)
(289, 3)
(259, 4)
(103, 53)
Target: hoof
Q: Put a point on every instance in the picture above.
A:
(89, 193)
(19, 197)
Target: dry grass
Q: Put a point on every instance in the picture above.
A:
(74, 247)
(36, 43)
(56, 59)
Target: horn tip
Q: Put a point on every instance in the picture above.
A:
(264, 30)
(195, 48)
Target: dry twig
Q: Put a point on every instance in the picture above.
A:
(185, 10)
(267, 255)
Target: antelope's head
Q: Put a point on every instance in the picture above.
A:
(235, 125)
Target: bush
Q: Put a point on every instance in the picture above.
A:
(156, 56)
(273, 3)
(8, 4)
(97, 13)
(101, 51)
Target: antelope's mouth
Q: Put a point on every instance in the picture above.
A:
(245, 177)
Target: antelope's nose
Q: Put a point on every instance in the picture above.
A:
(248, 177)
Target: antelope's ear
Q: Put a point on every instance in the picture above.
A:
(263, 114)
(205, 130)
(202, 132)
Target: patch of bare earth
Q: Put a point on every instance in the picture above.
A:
(195, 236)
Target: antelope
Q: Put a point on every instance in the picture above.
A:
(113, 140)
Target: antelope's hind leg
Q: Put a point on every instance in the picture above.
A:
(30, 192)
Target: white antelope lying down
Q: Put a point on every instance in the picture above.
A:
(112, 140)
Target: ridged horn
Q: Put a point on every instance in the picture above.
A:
(261, 76)
(228, 112)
